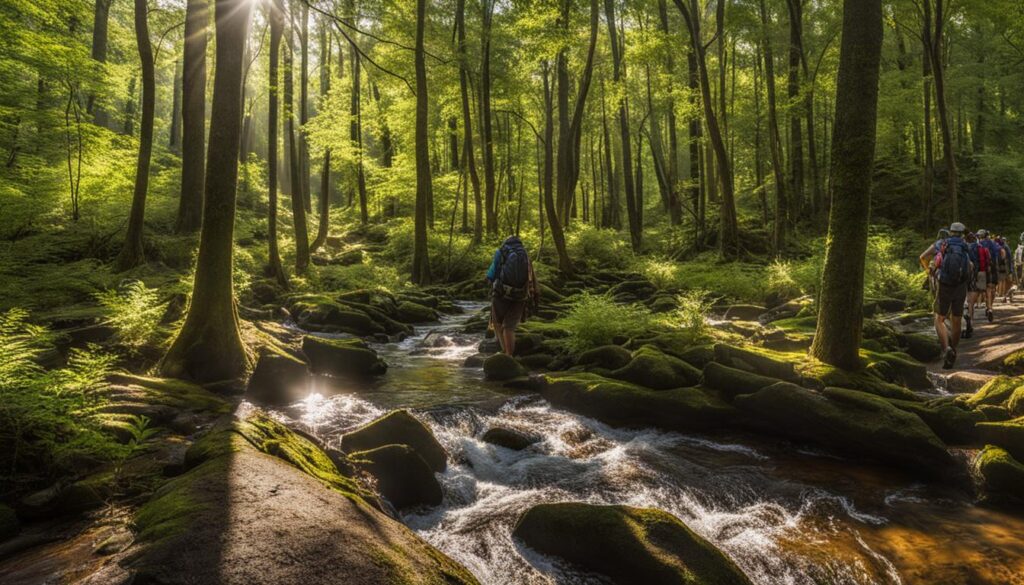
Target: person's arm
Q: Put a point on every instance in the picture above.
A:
(492, 272)
(926, 257)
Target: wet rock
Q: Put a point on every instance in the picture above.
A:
(401, 475)
(855, 423)
(623, 404)
(350, 358)
(509, 438)
(994, 413)
(489, 346)
(731, 382)
(653, 369)
(117, 542)
(921, 347)
(966, 382)
(475, 361)
(1001, 476)
(536, 361)
(278, 379)
(757, 363)
(500, 367)
(411, 312)
(67, 499)
(527, 343)
(627, 545)
(609, 357)
(744, 312)
(1007, 434)
(9, 525)
(397, 428)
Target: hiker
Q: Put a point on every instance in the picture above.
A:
(513, 287)
(927, 260)
(978, 286)
(993, 274)
(1018, 260)
(953, 271)
(1005, 268)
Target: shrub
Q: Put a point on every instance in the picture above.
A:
(596, 320)
(602, 248)
(691, 316)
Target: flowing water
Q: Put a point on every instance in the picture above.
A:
(786, 515)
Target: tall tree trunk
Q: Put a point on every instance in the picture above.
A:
(193, 118)
(838, 336)
(420, 254)
(774, 139)
(695, 130)
(672, 170)
(132, 253)
(928, 179)
(487, 134)
(209, 345)
(611, 213)
(276, 17)
(100, 27)
(324, 202)
(304, 105)
(549, 171)
(728, 228)
(795, 108)
(635, 231)
(469, 154)
(356, 135)
(936, 44)
(129, 107)
(298, 204)
(174, 135)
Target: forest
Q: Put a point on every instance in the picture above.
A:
(258, 324)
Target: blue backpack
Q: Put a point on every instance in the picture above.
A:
(955, 267)
(513, 274)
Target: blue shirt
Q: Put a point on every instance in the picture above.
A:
(993, 250)
(492, 272)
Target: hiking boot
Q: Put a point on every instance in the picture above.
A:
(968, 332)
(949, 359)
(989, 315)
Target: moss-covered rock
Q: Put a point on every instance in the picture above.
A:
(639, 289)
(1006, 434)
(350, 358)
(1015, 403)
(397, 428)
(757, 362)
(609, 357)
(900, 369)
(536, 361)
(742, 312)
(628, 545)
(9, 525)
(500, 367)
(828, 376)
(731, 382)
(994, 412)
(401, 475)
(320, 313)
(652, 369)
(996, 392)
(921, 347)
(663, 304)
(950, 421)
(412, 312)
(278, 379)
(509, 438)
(855, 423)
(1001, 476)
(624, 404)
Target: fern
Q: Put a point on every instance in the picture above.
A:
(134, 312)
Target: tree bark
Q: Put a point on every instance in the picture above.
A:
(298, 204)
(487, 133)
(774, 139)
(276, 17)
(209, 345)
(193, 118)
(420, 254)
(132, 253)
(936, 44)
(174, 134)
(469, 154)
(324, 202)
(356, 135)
(100, 28)
(795, 109)
(625, 137)
(838, 336)
(304, 105)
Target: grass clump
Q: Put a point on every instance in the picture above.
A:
(596, 320)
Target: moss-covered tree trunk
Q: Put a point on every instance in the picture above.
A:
(100, 28)
(420, 257)
(132, 253)
(324, 202)
(774, 139)
(209, 345)
(193, 118)
(295, 170)
(274, 267)
(838, 336)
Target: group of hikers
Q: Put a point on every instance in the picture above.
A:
(964, 268)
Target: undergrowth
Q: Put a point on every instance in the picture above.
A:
(596, 320)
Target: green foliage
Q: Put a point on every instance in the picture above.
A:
(134, 311)
(599, 248)
(452, 257)
(738, 281)
(45, 419)
(691, 316)
(596, 320)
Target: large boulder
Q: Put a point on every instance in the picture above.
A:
(921, 347)
(1007, 434)
(627, 545)
(855, 423)
(653, 369)
(757, 363)
(401, 475)
(624, 404)
(412, 312)
(349, 358)
(609, 357)
(397, 428)
(950, 421)
(318, 313)
(1001, 476)
(509, 438)
(278, 379)
(995, 392)
(731, 382)
(501, 367)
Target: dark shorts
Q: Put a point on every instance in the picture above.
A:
(507, 313)
(950, 300)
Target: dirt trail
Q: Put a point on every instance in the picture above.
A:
(992, 342)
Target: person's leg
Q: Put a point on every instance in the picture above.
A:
(499, 334)
(941, 309)
(497, 320)
(955, 333)
(513, 315)
(940, 330)
(509, 343)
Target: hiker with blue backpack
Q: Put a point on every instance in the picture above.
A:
(995, 253)
(513, 290)
(953, 273)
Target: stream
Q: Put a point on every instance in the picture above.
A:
(784, 514)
